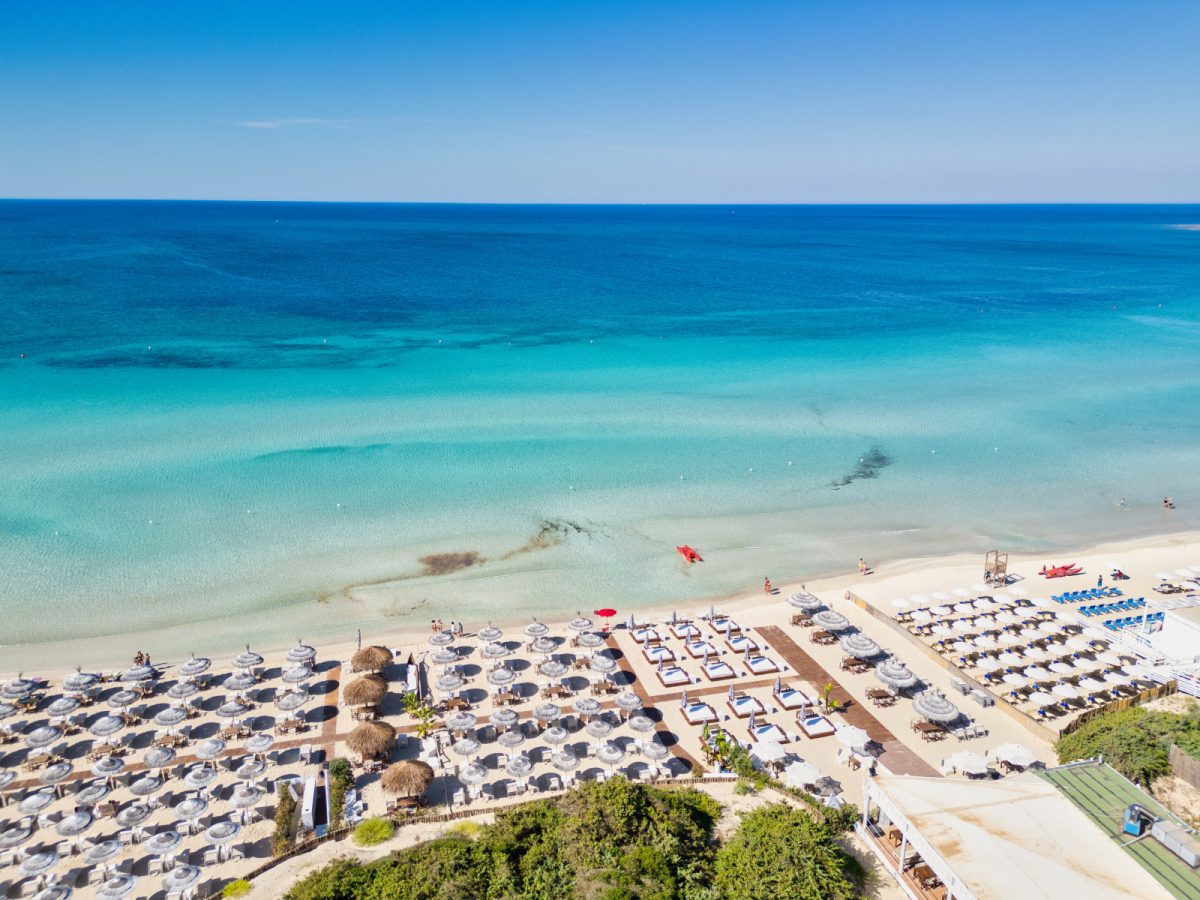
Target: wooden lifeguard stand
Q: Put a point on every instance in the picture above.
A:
(995, 568)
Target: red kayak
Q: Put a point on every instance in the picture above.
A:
(1060, 571)
(689, 554)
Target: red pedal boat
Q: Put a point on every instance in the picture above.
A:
(689, 554)
(1060, 571)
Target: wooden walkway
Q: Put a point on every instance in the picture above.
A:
(896, 757)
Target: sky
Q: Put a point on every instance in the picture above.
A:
(807, 101)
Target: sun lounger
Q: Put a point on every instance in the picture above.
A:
(741, 643)
(700, 649)
(790, 698)
(699, 713)
(673, 676)
(718, 670)
(768, 731)
(656, 654)
(743, 706)
(761, 665)
(685, 631)
(814, 726)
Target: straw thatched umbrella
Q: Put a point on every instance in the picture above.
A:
(409, 778)
(371, 659)
(371, 739)
(367, 690)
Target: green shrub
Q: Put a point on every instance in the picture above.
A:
(285, 808)
(373, 831)
(1135, 741)
(238, 888)
(341, 779)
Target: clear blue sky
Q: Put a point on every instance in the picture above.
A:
(746, 100)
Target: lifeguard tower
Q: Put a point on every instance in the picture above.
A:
(995, 568)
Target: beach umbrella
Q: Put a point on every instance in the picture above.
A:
(133, 814)
(536, 629)
(490, 633)
(504, 717)
(292, 700)
(494, 650)
(240, 681)
(42, 736)
(942, 630)
(170, 717)
(102, 852)
(599, 728)
(1016, 679)
(461, 721)
(967, 763)
(122, 699)
(63, 706)
(655, 751)
(7, 776)
(32, 804)
(804, 602)
(1163, 576)
(408, 778)
(555, 735)
(298, 674)
(182, 690)
(961, 592)
(107, 766)
(251, 769)
(769, 751)
(1007, 618)
(441, 638)
(801, 774)
(552, 669)
(55, 773)
(232, 709)
(920, 599)
(246, 796)
(590, 640)
(1008, 658)
(921, 616)
(474, 773)
(444, 656)
(371, 659)
(1061, 668)
(200, 777)
(935, 708)
(145, 786)
(366, 690)
(895, 674)
(37, 863)
(247, 659)
(940, 595)
(119, 886)
(519, 766)
(501, 675)
(641, 724)
(564, 761)
(963, 625)
(830, 620)
(465, 747)
(139, 673)
(1014, 754)
(1064, 690)
(1037, 673)
(942, 610)
(580, 624)
(197, 665)
(1091, 683)
(510, 739)
(628, 701)
(92, 794)
(603, 664)
(180, 878)
(259, 743)
(15, 835)
(79, 681)
(191, 808)
(546, 712)
(1011, 638)
(609, 754)
(6, 709)
(371, 739)
(1077, 643)
(448, 681)
(900, 602)
(586, 706)
(851, 736)
(543, 645)
(1113, 679)
(860, 646)
(301, 653)
(210, 748)
(1137, 671)
(986, 641)
(1040, 698)
(222, 832)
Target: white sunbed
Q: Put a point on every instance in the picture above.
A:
(718, 670)
(644, 635)
(760, 665)
(655, 654)
(814, 726)
(741, 643)
(719, 626)
(767, 731)
(790, 698)
(743, 706)
(684, 631)
(700, 649)
(698, 713)
(673, 676)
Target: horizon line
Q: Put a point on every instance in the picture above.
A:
(614, 203)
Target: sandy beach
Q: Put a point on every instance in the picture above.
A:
(900, 578)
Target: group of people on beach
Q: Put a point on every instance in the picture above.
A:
(141, 659)
(436, 625)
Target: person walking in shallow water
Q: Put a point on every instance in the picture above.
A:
(766, 585)
(862, 566)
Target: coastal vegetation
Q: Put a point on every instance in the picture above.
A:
(285, 809)
(341, 779)
(616, 840)
(373, 831)
(1135, 741)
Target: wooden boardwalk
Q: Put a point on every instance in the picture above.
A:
(896, 757)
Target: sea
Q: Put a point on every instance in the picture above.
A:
(228, 423)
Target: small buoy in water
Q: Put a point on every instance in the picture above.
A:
(933, 451)
(570, 487)
(22, 356)
(149, 347)
(339, 506)
(789, 462)
(751, 469)
(681, 478)
(995, 449)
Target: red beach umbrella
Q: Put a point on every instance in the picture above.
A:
(605, 613)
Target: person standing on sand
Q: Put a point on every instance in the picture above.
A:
(862, 566)
(766, 585)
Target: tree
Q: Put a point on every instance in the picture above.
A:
(780, 851)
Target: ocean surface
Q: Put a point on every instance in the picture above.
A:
(233, 422)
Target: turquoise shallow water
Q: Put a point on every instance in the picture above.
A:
(247, 420)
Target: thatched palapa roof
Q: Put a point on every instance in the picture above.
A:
(408, 778)
(365, 691)
(371, 739)
(371, 659)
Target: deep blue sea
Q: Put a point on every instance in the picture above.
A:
(233, 420)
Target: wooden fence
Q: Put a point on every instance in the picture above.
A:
(1185, 766)
(1145, 696)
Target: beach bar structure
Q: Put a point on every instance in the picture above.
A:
(1018, 838)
